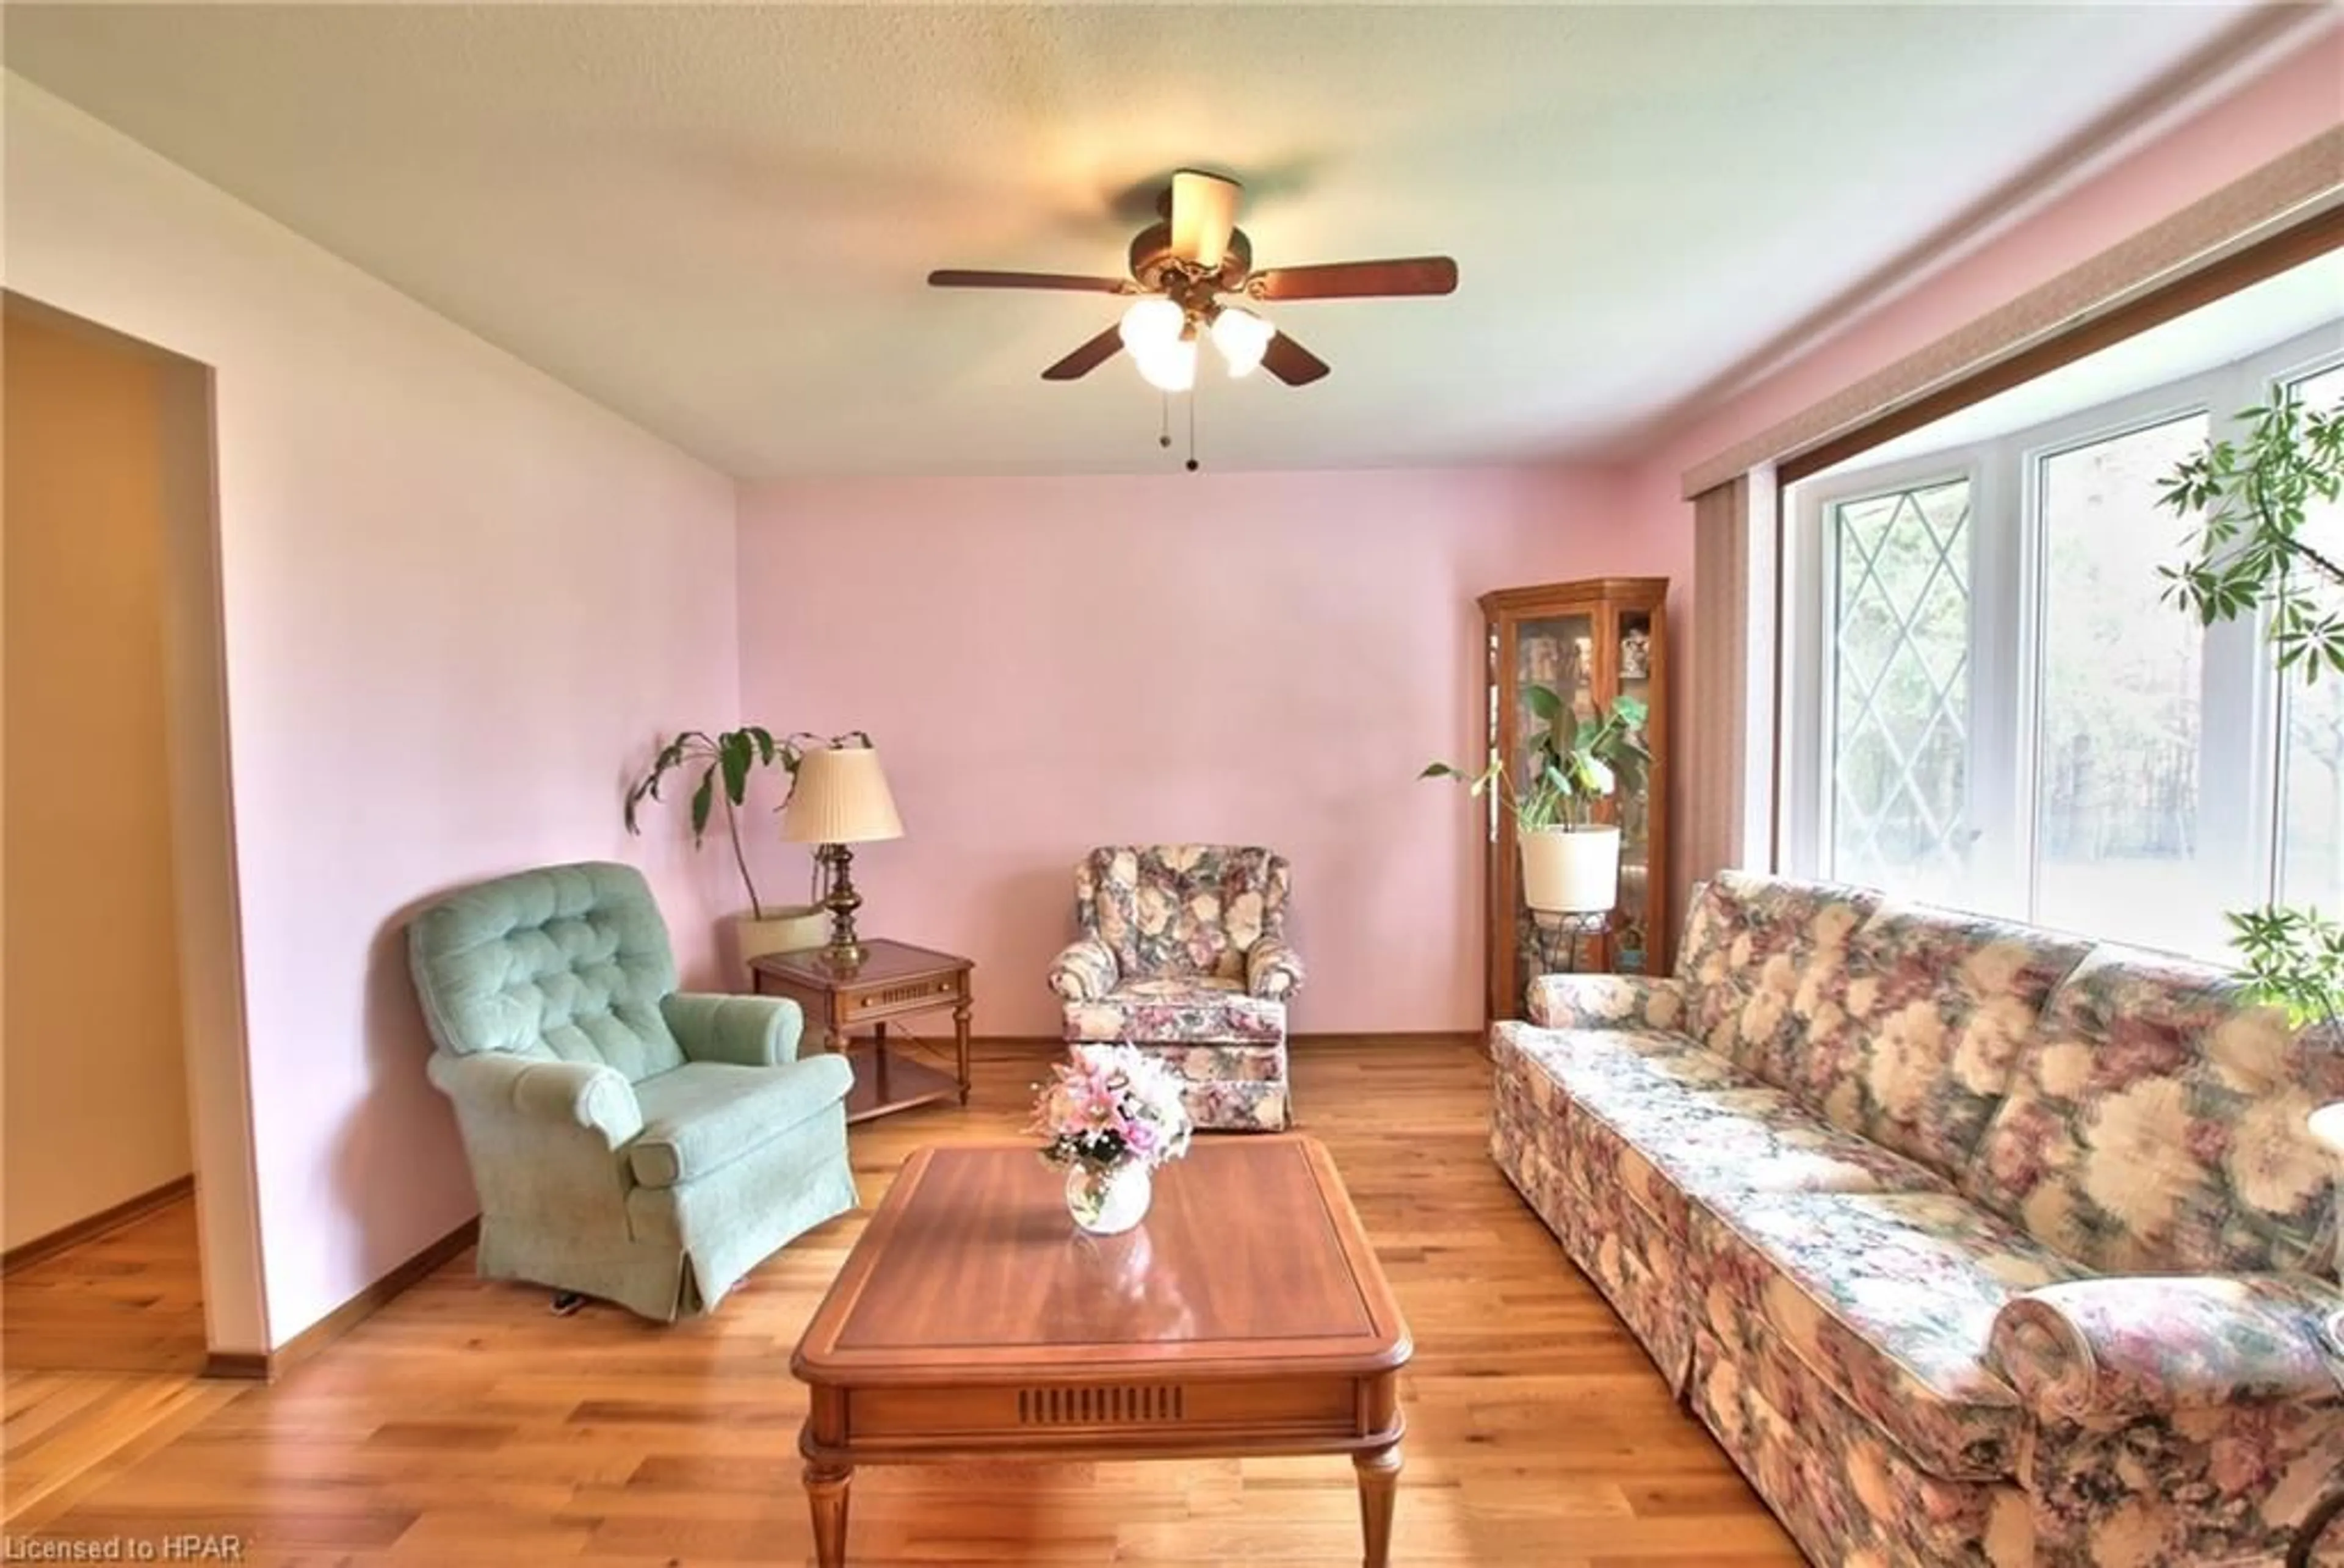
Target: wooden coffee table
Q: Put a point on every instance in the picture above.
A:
(1247, 1315)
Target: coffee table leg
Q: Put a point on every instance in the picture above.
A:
(825, 1487)
(1378, 1480)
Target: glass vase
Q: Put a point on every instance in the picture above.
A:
(1108, 1200)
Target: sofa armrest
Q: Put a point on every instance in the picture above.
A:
(553, 1093)
(1086, 971)
(741, 1031)
(2125, 1347)
(1273, 969)
(1606, 1002)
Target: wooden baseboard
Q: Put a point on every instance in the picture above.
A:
(1389, 1037)
(95, 1224)
(269, 1366)
(250, 1365)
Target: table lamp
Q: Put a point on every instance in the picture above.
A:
(841, 799)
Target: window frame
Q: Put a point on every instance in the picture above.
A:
(2315, 360)
(1813, 576)
(2241, 702)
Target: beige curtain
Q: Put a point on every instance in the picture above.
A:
(1729, 797)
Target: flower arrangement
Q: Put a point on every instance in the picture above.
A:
(1110, 1105)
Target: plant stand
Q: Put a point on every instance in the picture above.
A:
(1569, 944)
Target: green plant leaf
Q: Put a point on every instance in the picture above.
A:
(703, 800)
(734, 753)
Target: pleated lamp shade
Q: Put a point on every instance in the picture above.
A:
(841, 798)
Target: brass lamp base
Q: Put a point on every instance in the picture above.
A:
(844, 950)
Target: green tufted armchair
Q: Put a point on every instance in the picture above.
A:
(629, 1142)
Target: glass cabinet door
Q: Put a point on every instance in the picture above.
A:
(1631, 947)
(1559, 653)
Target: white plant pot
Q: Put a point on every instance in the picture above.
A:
(1571, 870)
(788, 930)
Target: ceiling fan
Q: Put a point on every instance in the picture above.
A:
(1181, 267)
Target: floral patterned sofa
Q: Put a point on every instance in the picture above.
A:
(1183, 952)
(1971, 1242)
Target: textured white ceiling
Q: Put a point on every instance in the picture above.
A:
(717, 220)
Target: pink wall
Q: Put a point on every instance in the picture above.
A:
(459, 601)
(1052, 663)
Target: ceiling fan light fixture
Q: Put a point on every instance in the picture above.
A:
(1152, 324)
(1169, 367)
(1242, 338)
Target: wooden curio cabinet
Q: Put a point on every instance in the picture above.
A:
(1591, 642)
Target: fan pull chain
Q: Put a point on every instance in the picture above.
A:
(1192, 431)
(1163, 421)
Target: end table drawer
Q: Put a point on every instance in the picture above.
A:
(910, 995)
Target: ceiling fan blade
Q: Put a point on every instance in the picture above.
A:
(958, 278)
(1204, 211)
(1290, 363)
(1357, 279)
(1088, 357)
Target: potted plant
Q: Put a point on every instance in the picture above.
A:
(725, 762)
(1109, 1116)
(1571, 862)
(2256, 550)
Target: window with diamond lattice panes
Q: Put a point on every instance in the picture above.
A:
(1901, 700)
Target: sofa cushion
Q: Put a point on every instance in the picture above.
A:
(704, 1115)
(1769, 947)
(1203, 1009)
(1673, 1148)
(1916, 1038)
(1577, 1058)
(1887, 1298)
(2160, 1123)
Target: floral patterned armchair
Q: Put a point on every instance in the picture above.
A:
(1183, 954)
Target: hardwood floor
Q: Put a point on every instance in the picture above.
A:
(463, 1424)
(128, 1300)
(101, 1344)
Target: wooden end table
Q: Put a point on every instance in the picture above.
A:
(1246, 1315)
(894, 980)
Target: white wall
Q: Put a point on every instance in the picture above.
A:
(458, 602)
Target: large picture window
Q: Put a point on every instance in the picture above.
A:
(1992, 705)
